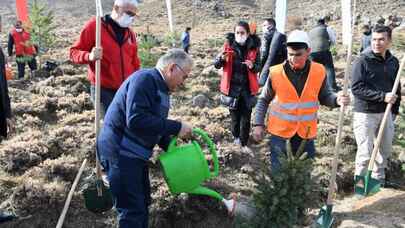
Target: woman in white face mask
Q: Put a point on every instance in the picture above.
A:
(239, 84)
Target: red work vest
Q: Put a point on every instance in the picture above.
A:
(22, 43)
(227, 71)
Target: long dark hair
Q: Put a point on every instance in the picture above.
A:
(243, 24)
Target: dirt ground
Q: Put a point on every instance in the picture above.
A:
(54, 129)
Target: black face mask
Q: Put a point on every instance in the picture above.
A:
(269, 31)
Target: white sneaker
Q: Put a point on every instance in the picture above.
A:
(246, 149)
(105, 180)
(236, 141)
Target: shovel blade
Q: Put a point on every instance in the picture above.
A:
(97, 203)
(366, 185)
(325, 218)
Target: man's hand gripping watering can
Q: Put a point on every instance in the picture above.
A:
(185, 168)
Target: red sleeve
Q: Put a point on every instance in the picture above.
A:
(80, 51)
(137, 61)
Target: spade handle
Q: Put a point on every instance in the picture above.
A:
(332, 181)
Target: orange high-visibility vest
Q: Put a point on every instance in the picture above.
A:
(289, 113)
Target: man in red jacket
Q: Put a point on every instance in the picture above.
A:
(24, 49)
(119, 55)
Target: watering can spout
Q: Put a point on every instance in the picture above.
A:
(206, 191)
(230, 204)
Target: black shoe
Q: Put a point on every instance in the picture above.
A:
(5, 216)
(389, 184)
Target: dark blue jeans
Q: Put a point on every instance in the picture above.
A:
(106, 97)
(130, 188)
(325, 58)
(279, 145)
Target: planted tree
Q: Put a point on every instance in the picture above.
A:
(400, 128)
(284, 195)
(42, 28)
(145, 45)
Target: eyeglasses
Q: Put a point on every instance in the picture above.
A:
(131, 13)
(185, 74)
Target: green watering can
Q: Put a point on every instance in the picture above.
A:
(185, 168)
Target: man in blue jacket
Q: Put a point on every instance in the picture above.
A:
(5, 114)
(5, 110)
(135, 122)
(185, 39)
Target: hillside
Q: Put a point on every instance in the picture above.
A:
(54, 122)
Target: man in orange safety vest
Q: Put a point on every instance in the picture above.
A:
(295, 89)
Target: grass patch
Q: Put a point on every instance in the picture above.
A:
(398, 41)
(214, 42)
(172, 39)
(148, 58)
(400, 128)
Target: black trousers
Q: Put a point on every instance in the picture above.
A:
(186, 49)
(325, 58)
(21, 67)
(240, 121)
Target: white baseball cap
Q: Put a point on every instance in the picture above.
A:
(123, 2)
(298, 36)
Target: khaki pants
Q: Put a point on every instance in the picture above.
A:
(365, 127)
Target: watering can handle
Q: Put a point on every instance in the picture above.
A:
(210, 144)
(211, 147)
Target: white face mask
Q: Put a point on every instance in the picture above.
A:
(125, 20)
(18, 29)
(240, 39)
(267, 28)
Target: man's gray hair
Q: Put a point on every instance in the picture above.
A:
(176, 56)
(123, 2)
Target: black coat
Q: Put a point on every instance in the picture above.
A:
(5, 110)
(273, 51)
(372, 78)
(239, 87)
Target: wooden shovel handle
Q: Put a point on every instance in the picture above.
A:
(332, 180)
(70, 195)
(99, 14)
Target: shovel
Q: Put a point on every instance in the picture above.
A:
(97, 196)
(70, 195)
(325, 218)
(365, 185)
